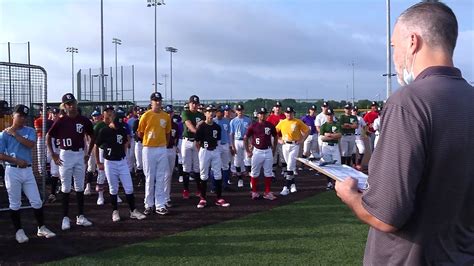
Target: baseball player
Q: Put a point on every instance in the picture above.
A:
(369, 119)
(189, 151)
(360, 145)
(208, 135)
(311, 142)
(229, 114)
(71, 130)
(319, 121)
(91, 166)
(138, 149)
(376, 126)
(261, 133)
(113, 139)
(38, 124)
(275, 118)
(171, 151)
(238, 128)
(54, 168)
(292, 132)
(348, 123)
(16, 144)
(155, 127)
(179, 160)
(330, 134)
(224, 145)
(131, 118)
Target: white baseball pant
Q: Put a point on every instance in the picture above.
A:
(18, 179)
(359, 144)
(171, 157)
(333, 151)
(91, 164)
(241, 159)
(118, 171)
(262, 158)
(101, 177)
(155, 165)
(224, 151)
(310, 145)
(290, 152)
(212, 159)
(130, 155)
(347, 145)
(42, 152)
(139, 155)
(180, 155)
(377, 135)
(73, 167)
(278, 152)
(190, 157)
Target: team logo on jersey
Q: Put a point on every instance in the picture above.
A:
(293, 127)
(246, 124)
(173, 133)
(267, 131)
(352, 120)
(198, 120)
(79, 128)
(225, 127)
(214, 134)
(333, 128)
(175, 120)
(119, 139)
(163, 123)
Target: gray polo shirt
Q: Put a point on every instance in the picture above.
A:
(421, 175)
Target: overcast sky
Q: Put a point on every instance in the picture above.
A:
(227, 49)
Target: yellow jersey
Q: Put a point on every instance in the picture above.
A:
(154, 127)
(291, 129)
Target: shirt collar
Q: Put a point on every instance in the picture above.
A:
(439, 70)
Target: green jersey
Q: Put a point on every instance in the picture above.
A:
(98, 127)
(330, 128)
(195, 118)
(347, 119)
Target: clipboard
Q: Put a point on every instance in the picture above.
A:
(338, 172)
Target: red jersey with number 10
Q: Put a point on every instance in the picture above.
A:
(261, 134)
(70, 131)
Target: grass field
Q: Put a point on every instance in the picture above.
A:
(318, 231)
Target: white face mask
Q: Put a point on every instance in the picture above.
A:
(408, 77)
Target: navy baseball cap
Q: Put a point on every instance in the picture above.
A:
(55, 110)
(312, 107)
(347, 106)
(156, 96)
(227, 107)
(120, 112)
(355, 108)
(330, 111)
(95, 113)
(374, 103)
(68, 97)
(277, 104)
(325, 104)
(194, 99)
(239, 107)
(262, 110)
(210, 108)
(201, 107)
(21, 109)
(109, 107)
(289, 109)
(169, 108)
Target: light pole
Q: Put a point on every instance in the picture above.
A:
(73, 51)
(155, 3)
(102, 88)
(116, 42)
(172, 50)
(101, 85)
(389, 74)
(165, 76)
(353, 80)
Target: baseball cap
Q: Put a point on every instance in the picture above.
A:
(194, 99)
(169, 108)
(68, 97)
(156, 96)
(347, 106)
(210, 108)
(55, 110)
(201, 107)
(262, 110)
(109, 107)
(355, 108)
(289, 109)
(21, 109)
(220, 108)
(312, 107)
(141, 110)
(330, 111)
(120, 112)
(374, 103)
(186, 107)
(227, 107)
(239, 107)
(325, 104)
(277, 104)
(95, 113)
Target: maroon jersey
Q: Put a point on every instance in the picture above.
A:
(173, 135)
(261, 134)
(70, 132)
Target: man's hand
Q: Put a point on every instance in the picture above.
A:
(21, 163)
(347, 190)
(56, 159)
(280, 141)
(10, 131)
(86, 158)
(249, 153)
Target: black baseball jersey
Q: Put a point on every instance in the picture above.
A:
(208, 135)
(113, 142)
(134, 130)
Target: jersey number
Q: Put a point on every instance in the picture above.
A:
(67, 142)
(109, 151)
(206, 144)
(257, 141)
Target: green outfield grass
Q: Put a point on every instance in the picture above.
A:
(318, 231)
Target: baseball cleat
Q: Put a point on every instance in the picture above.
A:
(115, 216)
(180, 179)
(168, 204)
(285, 191)
(87, 190)
(293, 188)
(329, 186)
(240, 183)
(43, 231)
(185, 194)
(269, 196)
(135, 214)
(162, 211)
(66, 224)
(191, 178)
(100, 200)
(82, 220)
(21, 237)
(51, 198)
(222, 203)
(202, 203)
(148, 211)
(119, 200)
(255, 195)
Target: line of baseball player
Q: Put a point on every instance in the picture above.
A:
(149, 144)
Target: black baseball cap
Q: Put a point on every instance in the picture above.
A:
(21, 109)
(277, 104)
(68, 97)
(156, 96)
(186, 106)
(347, 106)
(374, 103)
(227, 107)
(239, 107)
(289, 109)
(120, 112)
(109, 107)
(262, 110)
(169, 108)
(201, 107)
(330, 111)
(55, 110)
(220, 108)
(210, 108)
(355, 108)
(194, 99)
(312, 107)
(325, 104)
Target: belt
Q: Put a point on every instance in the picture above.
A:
(223, 143)
(80, 149)
(239, 139)
(290, 142)
(348, 134)
(330, 144)
(17, 166)
(210, 148)
(189, 139)
(357, 134)
(263, 149)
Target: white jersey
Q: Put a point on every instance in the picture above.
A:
(376, 125)
(361, 126)
(320, 119)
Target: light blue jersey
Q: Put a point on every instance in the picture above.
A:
(238, 126)
(224, 123)
(10, 146)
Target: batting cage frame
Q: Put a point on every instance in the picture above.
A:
(25, 84)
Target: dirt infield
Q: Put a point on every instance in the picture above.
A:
(105, 234)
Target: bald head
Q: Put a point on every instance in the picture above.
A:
(435, 22)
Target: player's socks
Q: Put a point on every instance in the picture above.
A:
(15, 215)
(203, 186)
(198, 181)
(225, 177)
(253, 181)
(288, 182)
(268, 183)
(219, 188)
(180, 169)
(113, 200)
(186, 181)
(247, 169)
(54, 184)
(80, 202)
(353, 158)
(65, 203)
(131, 201)
(39, 216)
